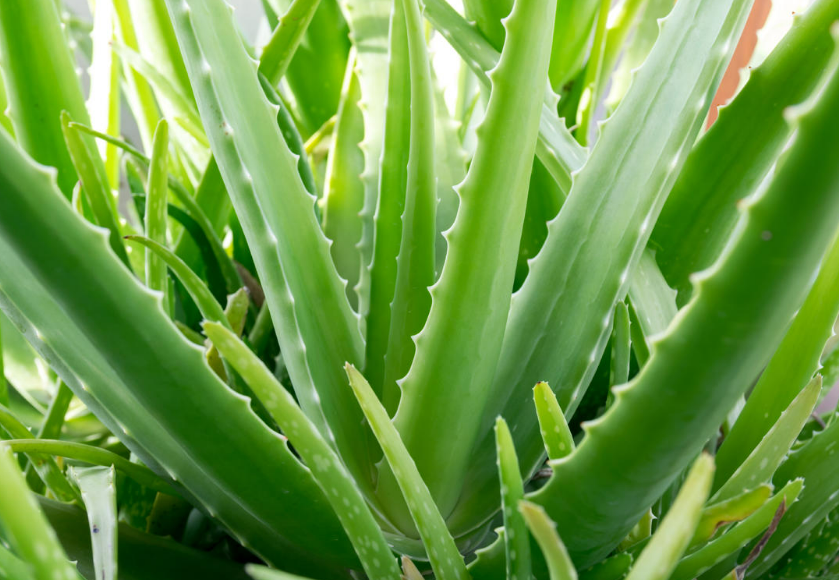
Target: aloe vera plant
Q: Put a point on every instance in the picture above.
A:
(412, 289)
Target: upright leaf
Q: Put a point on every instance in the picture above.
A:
(100, 500)
(156, 216)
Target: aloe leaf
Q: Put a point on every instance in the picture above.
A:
(155, 219)
(679, 398)
(572, 33)
(614, 568)
(728, 511)
(488, 16)
(493, 198)
(791, 367)
(94, 184)
(662, 553)
(103, 104)
(516, 537)
(343, 196)
(441, 549)
(557, 149)
(100, 500)
(326, 466)
(5, 122)
(653, 306)
(543, 529)
(304, 292)
(26, 529)
(13, 567)
(93, 455)
(147, 401)
(393, 183)
(701, 213)
(621, 346)
(48, 470)
(31, 39)
(416, 261)
(593, 78)
(262, 573)
(814, 553)
(552, 424)
(4, 388)
(759, 466)
(738, 536)
(559, 334)
(409, 569)
(280, 49)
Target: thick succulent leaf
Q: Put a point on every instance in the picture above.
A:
(31, 39)
(572, 35)
(552, 424)
(791, 367)
(25, 527)
(79, 311)
(560, 319)
(13, 567)
(701, 213)
(559, 562)
(54, 419)
(678, 396)
(450, 170)
(556, 148)
(416, 262)
(343, 195)
(653, 305)
(280, 49)
(453, 365)
(155, 221)
(440, 547)
(593, 77)
(316, 327)
(262, 573)
(621, 346)
(613, 568)
(327, 468)
(732, 510)
(737, 537)
(100, 499)
(516, 537)
(759, 466)
(814, 553)
(488, 15)
(672, 537)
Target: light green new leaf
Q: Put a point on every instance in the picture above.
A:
(440, 547)
(544, 530)
(552, 424)
(653, 306)
(672, 537)
(729, 511)
(621, 345)
(156, 216)
(100, 499)
(326, 466)
(280, 49)
(25, 527)
(516, 537)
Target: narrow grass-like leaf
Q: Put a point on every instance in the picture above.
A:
(544, 531)
(732, 510)
(326, 466)
(516, 537)
(100, 499)
(280, 49)
(440, 547)
(678, 398)
(156, 218)
(738, 536)
(464, 330)
(621, 346)
(552, 424)
(25, 527)
(790, 369)
(759, 466)
(94, 184)
(54, 419)
(93, 455)
(47, 468)
(672, 537)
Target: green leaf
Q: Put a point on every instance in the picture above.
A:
(791, 367)
(544, 530)
(440, 547)
(737, 537)
(552, 424)
(26, 529)
(31, 39)
(316, 327)
(326, 466)
(452, 367)
(13, 567)
(740, 311)
(672, 537)
(572, 33)
(700, 214)
(759, 466)
(516, 538)
(613, 568)
(50, 252)
(653, 306)
(100, 500)
(280, 49)
(621, 345)
(156, 219)
(728, 511)
(593, 78)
